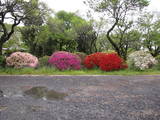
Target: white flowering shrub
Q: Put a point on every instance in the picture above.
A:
(22, 59)
(158, 65)
(158, 59)
(141, 60)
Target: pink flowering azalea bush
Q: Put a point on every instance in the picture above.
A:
(64, 60)
(22, 59)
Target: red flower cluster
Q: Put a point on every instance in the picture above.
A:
(105, 61)
(111, 62)
(93, 60)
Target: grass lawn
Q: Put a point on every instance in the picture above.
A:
(52, 71)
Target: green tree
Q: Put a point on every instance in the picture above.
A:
(118, 12)
(33, 24)
(64, 37)
(86, 39)
(30, 37)
(15, 10)
(149, 26)
(15, 43)
(85, 35)
(63, 32)
(39, 15)
(126, 37)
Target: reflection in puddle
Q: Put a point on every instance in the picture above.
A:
(43, 92)
(37, 92)
(2, 108)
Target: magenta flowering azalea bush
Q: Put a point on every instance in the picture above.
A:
(64, 60)
(22, 59)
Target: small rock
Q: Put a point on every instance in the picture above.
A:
(1, 93)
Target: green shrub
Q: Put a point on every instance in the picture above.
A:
(158, 58)
(8, 52)
(43, 61)
(82, 56)
(158, 65)
(2, 61)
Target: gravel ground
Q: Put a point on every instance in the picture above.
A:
(88, 98)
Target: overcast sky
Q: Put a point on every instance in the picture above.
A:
(74, 5)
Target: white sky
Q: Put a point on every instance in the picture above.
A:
(78, 5)
(73, 5)
(67, 5)
(154, 5)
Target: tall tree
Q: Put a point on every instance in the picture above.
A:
(33, 23)
(39, 15)
(117, 11)
(30, 37)
(149, 26)
(85, 34)
(12, 11)
(63, 35)
(86, 38)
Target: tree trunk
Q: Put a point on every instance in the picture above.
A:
(110, 39)
(1, 48)
(60, 46)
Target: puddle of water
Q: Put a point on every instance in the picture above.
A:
(55, 95)
(37, 92)
(2, 108)
(43, 92)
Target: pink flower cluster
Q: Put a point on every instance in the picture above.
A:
(64, 60)
(22, 59)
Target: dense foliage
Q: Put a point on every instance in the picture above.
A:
(22, 59)
(2, 61)
(43, 61)
(64, 60)
(82, 56)
(158, 64)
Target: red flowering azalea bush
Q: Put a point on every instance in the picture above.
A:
(64, 60)
(22, 59)
(93, 60)
(105, 61)
(111, 61)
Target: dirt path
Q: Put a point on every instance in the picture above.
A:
(80, 97)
